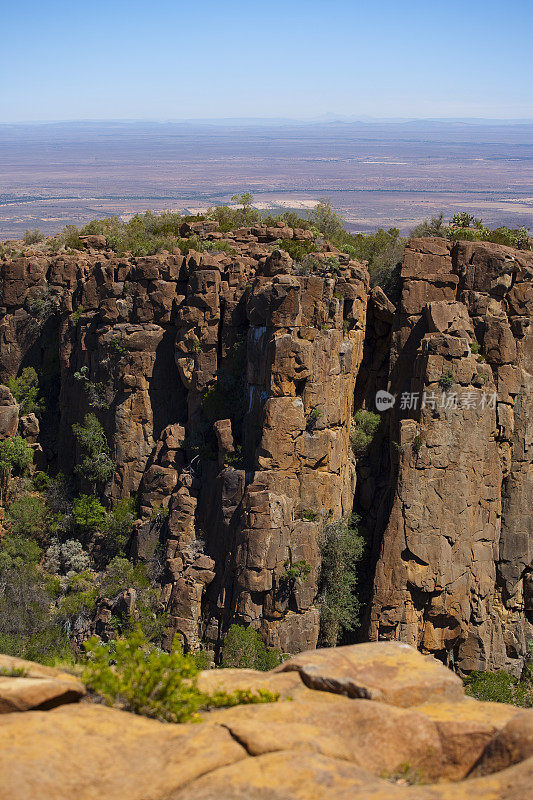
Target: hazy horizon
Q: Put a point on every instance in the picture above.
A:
(374, 173)
(323, 119)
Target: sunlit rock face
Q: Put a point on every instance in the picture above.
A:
(227, 382)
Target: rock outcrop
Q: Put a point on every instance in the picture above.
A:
(453, 573)
(226, 382)
(27, 686)
(417, 738)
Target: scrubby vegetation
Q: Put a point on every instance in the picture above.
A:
(15, 456)
(65, 553)
(62, 549)
(95, 464)
(25, 390)
(244, 648)
(133, 674)
(342, 548)
(149, 233)
(366, 425)
(501, 687)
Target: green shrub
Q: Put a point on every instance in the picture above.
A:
(235, 459)
(42, 306)
(121, 574)
(312, 419)
(77, 606)
(19, 550)
(41, 481)
(95, 465)
(366, 425)
(244, 648)
(159, 512)
(95, 391)
(88, 513)
(446, 380)
(240, 697)
(501, 687)
(25, 390)
(13, 672)
(327, 221)
(191, 243)
(117, 529)
(29, 516)
(133, 674)
(76, 315)
(33, 236)
(28, 628)
(417, 444)
(221, 246)
(342, 548)
(432, 227)
(15, 456)
(294, 573)
(70, 238)
(464, 226)
(297, 250)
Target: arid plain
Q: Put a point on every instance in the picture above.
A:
(375, 174)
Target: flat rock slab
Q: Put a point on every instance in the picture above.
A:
(230, 680)
(91, 752)
(304, 776)
(391, 672)
(25, 685)
(23, 694)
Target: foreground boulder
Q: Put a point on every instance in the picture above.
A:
(327, 742)
(25, 685)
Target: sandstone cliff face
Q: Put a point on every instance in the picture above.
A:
(226, 383)
(454, 573)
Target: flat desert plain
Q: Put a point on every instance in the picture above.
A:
(374, 174)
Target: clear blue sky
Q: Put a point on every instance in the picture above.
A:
(168, 59)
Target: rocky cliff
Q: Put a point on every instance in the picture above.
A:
(227, 382)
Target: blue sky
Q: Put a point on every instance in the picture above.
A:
(180, 60)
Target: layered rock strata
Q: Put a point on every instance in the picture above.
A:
(226, 382)
(453, 576)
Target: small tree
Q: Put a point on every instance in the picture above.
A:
(28, 628)
(15, 455)
(342, 547)
(245, 200)
(117, 528)
(430, 227)
(95, 465)
(328, 222)
(88, 513)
